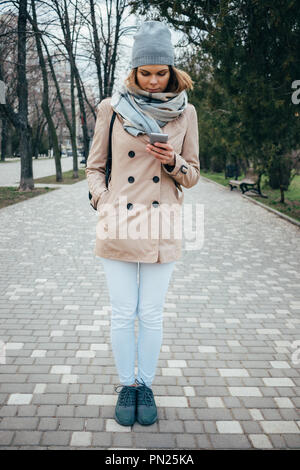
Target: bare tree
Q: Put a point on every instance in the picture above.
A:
(45, 102)
(8, 59)
(72, 22)
(105, 47)
(26, 180)
(20, 118)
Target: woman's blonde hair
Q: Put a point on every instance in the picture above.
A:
(178, 81)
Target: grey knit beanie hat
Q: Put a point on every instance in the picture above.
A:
(152, 45)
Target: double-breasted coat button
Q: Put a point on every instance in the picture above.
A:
(155, 179)
(131, 179)
(131, 153)
(129, 206)
(155, 203)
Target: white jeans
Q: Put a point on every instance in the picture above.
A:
(144, 300)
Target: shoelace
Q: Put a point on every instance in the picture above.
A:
(127, 395)
(145, 394)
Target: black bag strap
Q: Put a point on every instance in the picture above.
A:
(109, 156)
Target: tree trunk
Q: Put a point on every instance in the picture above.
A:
(4, 132)
(75, 75)
(97, 49)
(26, 179)
(74, 130)
(45, 103)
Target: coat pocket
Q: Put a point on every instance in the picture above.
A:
(102, 198)
(178, 185)
(179, 193)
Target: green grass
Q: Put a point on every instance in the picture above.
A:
(290, 207)
(67, 178)
(11, 195)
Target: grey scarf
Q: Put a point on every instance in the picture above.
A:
(145, 112)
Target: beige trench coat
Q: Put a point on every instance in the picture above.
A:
(141, 193)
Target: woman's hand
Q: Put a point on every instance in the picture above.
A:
(165, 153)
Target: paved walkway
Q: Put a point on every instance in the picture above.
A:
(10, 171)
(228, 373)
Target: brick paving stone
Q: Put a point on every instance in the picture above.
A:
(144, 429)
(93, 424)
(241, 413)
(169, 413)
(48, 424)
(107, 411)
(280, 427)
(230, 441)
(193, 427)
(8, 411)
(203, 441)
(122, 440)
(251, 427)
(213, 414)
(46, 410)
(186, 413)
(260, 441)
(245, 391)
(111, 425)
(215, 402)
(23, 438)
(256, 414)
(102, 439)
(262, 402)
(289, 415)
(170, 426)
(232, 402)
(284, 402)
(186, 441)
(225, 376)
(27, 410)
(76, 399)
(56, 438)
(226, 427)
(278, 441)
(271, 414)
(292, 440)
(81, 439)
(6, 437)
(50, 399)
(71, 424)
(19, 423)
(155, 441)
(210, 427)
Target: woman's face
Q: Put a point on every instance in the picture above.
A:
(153, 78)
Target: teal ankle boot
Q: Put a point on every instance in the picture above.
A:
(125, 411)
(146, 412)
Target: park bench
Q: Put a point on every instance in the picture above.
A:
(251, 182)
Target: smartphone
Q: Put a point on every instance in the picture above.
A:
(155, 137)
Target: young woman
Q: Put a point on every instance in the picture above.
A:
(135, 211)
